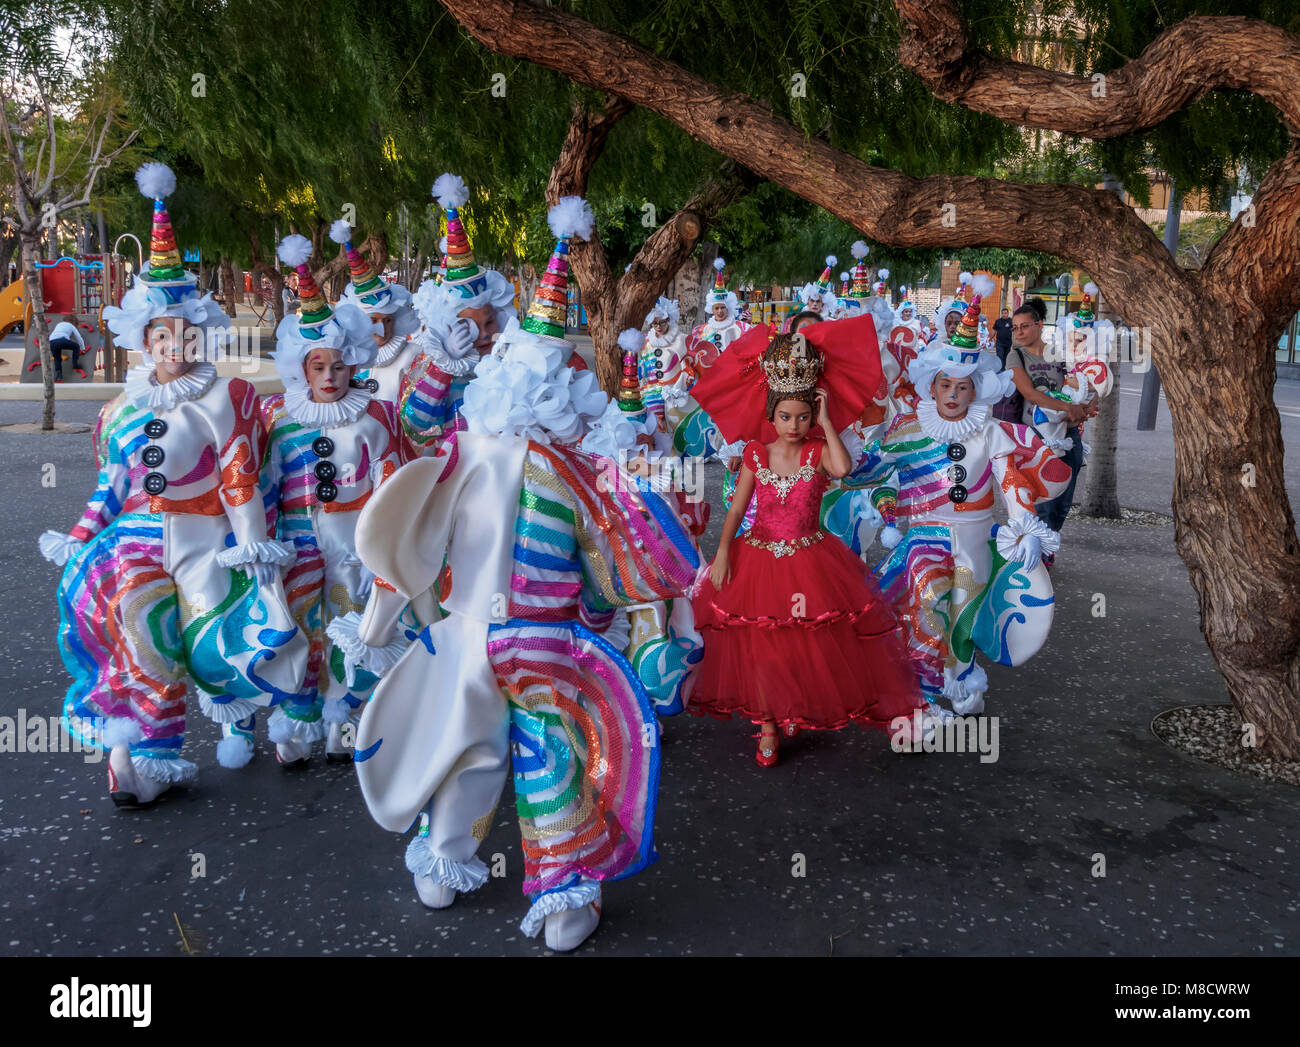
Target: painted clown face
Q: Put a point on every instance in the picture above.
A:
(816, 305)
(953, 396)
(165, 340)
(719, 311)
(385, 324)
(327, 375)
(660, 325)
(484, 318)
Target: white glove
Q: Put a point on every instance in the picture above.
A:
(265, 573)
(461, 338)
(1028, 551)
(890, 536)
(59, 548)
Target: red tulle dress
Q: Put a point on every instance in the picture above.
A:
(799, 633)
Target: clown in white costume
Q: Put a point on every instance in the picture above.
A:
(389, 306)
(542, 551)
(662, 363)
(1087, 345)
(721, 324)
(462, 311)
(332, 443)
(954, 589)
(819, 297)
(661, 641)
(171, 571)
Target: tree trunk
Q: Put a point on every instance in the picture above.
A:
(1100, 499)
(228, 285)
(1238, 541)
(31, 253)
(686, 289)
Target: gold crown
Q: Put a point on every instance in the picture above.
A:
(790, 365)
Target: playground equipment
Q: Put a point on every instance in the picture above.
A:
(80, 286)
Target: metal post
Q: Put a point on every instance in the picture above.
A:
(1149, 402)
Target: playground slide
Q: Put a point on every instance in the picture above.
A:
(11, 308)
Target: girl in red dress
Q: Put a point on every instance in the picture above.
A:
(796, 633)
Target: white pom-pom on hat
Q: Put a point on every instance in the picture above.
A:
(450, 190)
(156, 181)
(1090, 289)
(831, 260)
(844, 276)
(883, 274)
(719, 264)
(340, 232)
(983, 285)
(859, 249)
(964, 277)
(631, 340)
(294, 250)
(571, 217)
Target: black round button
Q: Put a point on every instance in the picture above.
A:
(659, 352)
(372, 384)
(155, 483)
(323, 446)
(153, 456)
(957, 473)
(956, 452)
(957, 493)
(155, 428)
(325, 471)
(326, 491)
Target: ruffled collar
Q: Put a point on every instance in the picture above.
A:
(144, 390)
(448, 364)
(656, 342)
(311, 414)
(946, 430)
(389, 350)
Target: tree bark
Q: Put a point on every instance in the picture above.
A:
(686, 288)
(31, 253)
(614, 304)
(1238, 541)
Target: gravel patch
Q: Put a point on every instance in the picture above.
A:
(1213, 733)
(1128, 518)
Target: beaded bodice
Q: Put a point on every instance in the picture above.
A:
(788, 506)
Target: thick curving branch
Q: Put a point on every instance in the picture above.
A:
(1072, 222)
(1182, 64)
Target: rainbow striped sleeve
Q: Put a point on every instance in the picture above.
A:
(427, 407)
(120, 429)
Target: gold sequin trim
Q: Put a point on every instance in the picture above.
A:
(786, 546)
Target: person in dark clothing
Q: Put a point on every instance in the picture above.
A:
(1002, 332)
(65, 338)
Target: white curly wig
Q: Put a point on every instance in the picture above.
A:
(145, 302)
(526, 389)
(665, 309)
(438, 305)
(349, 330)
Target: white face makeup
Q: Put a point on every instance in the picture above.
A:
(327, 375)
(952, 396)
(165, 341)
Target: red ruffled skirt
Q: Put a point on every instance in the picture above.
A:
(801, 639)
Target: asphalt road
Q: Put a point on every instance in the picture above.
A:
(844, 847)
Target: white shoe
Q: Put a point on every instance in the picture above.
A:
(292, 752)
(433, 894)
(127, 787)
(565, 931)
(335, 749)
(972, 705)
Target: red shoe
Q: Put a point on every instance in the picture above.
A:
(766, 757)
(790, 730)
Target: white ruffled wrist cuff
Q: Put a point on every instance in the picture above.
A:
(59, 548)
(1010, 533)
(256, 552)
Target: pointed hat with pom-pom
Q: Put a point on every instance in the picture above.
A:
(824, 281)
(629, 389)
(313, 310)
(366, 284)
(157, 182)
(549, 309)
(861, 280)
(462, 272)
(1084, 317)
